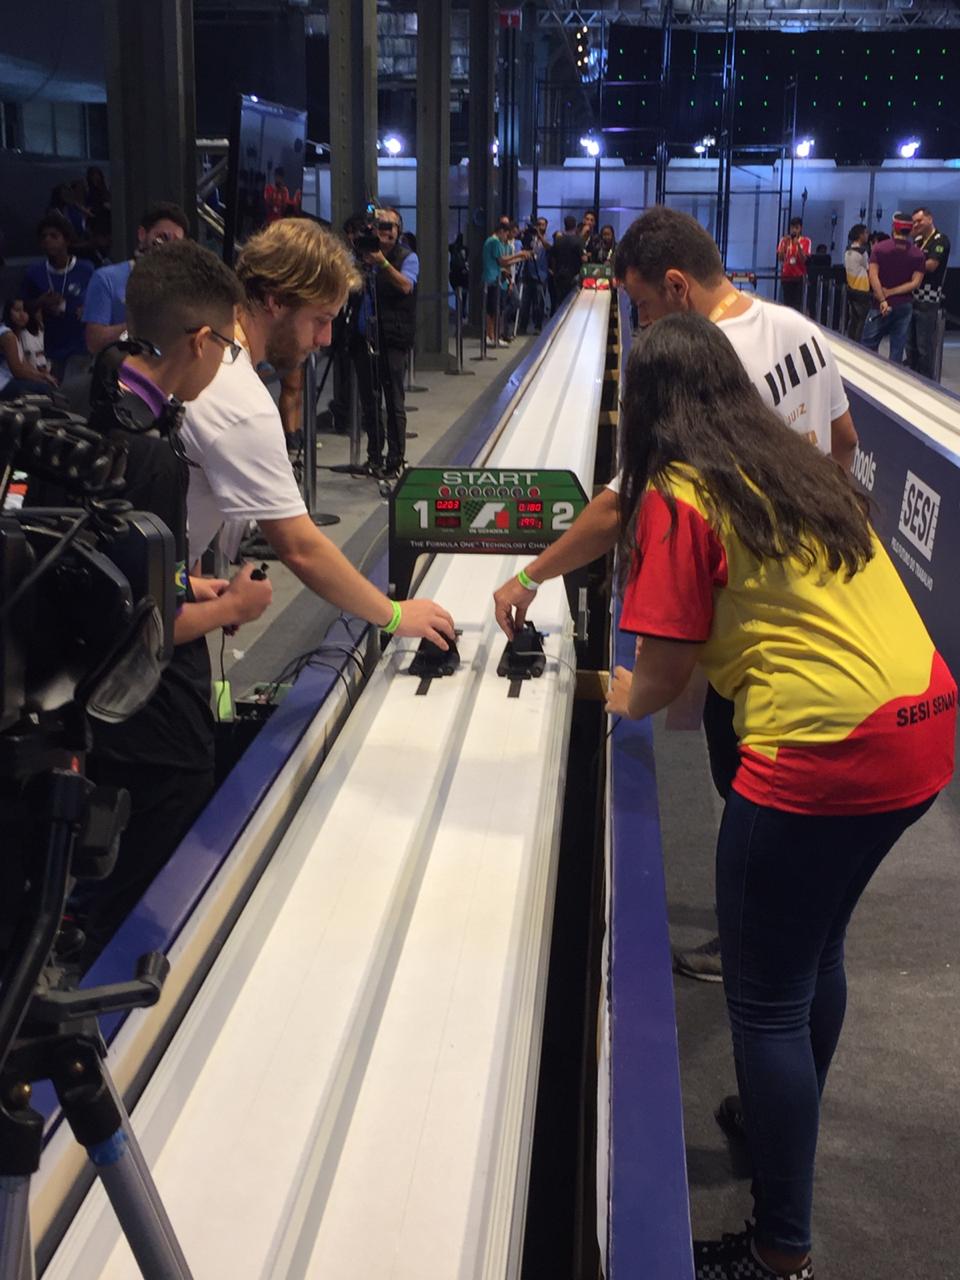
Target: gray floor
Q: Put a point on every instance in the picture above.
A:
(888, 1183)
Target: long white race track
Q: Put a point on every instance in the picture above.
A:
(932, 411)
(352, 1092)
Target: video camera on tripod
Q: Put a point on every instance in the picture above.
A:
(87, 603)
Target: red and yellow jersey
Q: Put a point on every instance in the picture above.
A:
(842, 703)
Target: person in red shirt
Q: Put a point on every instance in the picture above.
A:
(792, 254)
(749, 553)
(277, 198)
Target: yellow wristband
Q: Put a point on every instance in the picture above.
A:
(394, 622)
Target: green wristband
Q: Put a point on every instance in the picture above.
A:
(527, 582)
(394, 622)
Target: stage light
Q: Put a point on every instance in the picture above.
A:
(392, 145)
(709, 141)
(700, 149)
(909, 148)
(591, 146)
(495, 148)
(803, 148)
(582, 40)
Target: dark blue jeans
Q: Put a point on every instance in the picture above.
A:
(787, 885)
(896, 324)
(25, 387)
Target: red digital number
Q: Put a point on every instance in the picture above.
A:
(447, 504)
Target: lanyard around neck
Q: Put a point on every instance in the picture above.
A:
(71, 263)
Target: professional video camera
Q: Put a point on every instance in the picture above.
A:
(86, 627)
(530, 236)
(367, 240)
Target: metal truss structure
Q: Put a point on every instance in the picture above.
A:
(757, 14)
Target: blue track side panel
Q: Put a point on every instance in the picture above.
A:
(649, 1205)
(914, 488)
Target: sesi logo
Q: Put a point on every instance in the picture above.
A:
(919, 513)
(864, 469)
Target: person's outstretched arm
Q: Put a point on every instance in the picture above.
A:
(322, 566)
(592, 534)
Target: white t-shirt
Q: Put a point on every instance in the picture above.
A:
(31, 344)
(790, 363)
(6, 374)
(234, 436)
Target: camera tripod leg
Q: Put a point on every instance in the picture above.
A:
(16, 1251)
(136, 1203)
(100, 1124)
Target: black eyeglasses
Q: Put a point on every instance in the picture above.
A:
(231, 349)
(387, 226)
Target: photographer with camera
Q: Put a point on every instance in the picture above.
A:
(180, 301)
(356, 345)
(397, 270)
(535, 274)
(296, 276)
(104, 311)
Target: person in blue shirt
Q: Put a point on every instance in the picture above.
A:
(57, 288)
(495, 259)
(105, 311)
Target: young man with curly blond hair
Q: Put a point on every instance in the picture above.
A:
(296, 276)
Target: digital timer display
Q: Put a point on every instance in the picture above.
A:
(447, 522)
(529, 522)
(447, 504)
(530, 508)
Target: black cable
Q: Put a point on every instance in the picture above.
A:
(552, 657)
(223, 675)
(349, 653)
(316, 662)
(48, 561)
(346, 622)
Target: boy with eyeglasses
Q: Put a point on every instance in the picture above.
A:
(180, 315)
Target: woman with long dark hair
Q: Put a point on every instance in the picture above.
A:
(747, 551)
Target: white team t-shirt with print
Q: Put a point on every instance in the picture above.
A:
(233, 435)
(790, 363)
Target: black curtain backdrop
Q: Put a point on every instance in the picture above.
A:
(859, 93)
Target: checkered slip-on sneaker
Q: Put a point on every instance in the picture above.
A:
(732, 1258)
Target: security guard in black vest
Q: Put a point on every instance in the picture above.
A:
(397, 272)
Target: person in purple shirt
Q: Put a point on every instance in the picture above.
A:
(896, 269)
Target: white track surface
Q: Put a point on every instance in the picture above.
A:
(352, 1092)
(932, 411)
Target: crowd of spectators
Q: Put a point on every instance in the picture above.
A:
(894, 284)
(527, 274)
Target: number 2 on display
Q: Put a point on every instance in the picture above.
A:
(562, 515)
